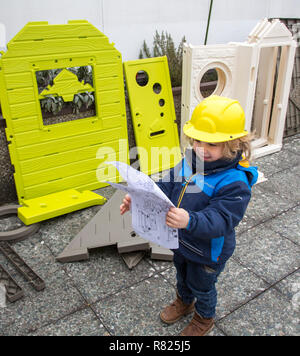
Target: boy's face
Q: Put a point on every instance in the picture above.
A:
(208, 152)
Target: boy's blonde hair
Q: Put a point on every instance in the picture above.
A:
(231, 148)
(243, 144)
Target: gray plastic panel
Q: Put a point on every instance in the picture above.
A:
(106, 228)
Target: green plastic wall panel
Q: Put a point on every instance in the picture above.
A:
(153, 113)
(53, 158)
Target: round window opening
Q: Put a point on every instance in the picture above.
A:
(157, 88)
(161, 102)
(142, 78)
(212, 82)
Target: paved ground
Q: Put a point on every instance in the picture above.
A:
(259, 291)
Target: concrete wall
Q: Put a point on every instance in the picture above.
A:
(128, 22)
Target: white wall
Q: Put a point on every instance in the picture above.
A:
(15, 14)
(128, 22)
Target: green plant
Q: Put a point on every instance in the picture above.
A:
(80, 99)
(85, 74)
(53, 104)
(45, 78)
(163, 45)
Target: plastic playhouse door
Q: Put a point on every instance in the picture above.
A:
(153, 114)
(51, 157)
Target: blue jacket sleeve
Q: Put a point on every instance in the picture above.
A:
(224, 212)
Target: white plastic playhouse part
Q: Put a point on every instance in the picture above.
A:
(235, 64)
(246, 72)
(274, 41)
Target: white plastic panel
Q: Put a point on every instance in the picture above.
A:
(246, 73)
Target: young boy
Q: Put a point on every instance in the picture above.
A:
(210, 202)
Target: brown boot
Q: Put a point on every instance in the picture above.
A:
(176, 311)
(198, 326)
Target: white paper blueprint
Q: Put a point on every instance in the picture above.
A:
(149, 206)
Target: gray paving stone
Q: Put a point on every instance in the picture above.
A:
(159, 265)
(37, 255)
(271, 313)
(36, 309)
(246, 223)
(287, 224)
(292, 144)
(105, 273)
(81, 323)
(267, 254)
(236, 286)
(290, 287)
(277, 162)
(286, 184)
(135, 310)
(264, 204)
(170, 275)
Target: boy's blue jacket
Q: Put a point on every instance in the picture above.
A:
(216, 202)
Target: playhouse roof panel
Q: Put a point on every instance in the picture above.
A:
(36, 31)
(40, 38)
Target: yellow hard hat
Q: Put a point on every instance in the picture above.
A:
(216, 119)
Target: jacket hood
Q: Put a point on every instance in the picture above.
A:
(251, 173)
(220, 165)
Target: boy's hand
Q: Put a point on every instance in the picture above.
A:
(177, 218)
(126, 204)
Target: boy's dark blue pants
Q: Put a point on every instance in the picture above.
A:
(197, 281)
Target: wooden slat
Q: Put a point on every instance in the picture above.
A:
(108, 110)
(108, 83)
(69, 143)
(62, 158)
(113, 121)
(24, 125)
(107, 97)
(20, 80)
(60, 172)
(50, 61)
(61, 46)
(83, 179)
(95, 185)
(23, 95)
(107, 70)
(19, 111)
(58, 131)
(37, 32)
(15, 65)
